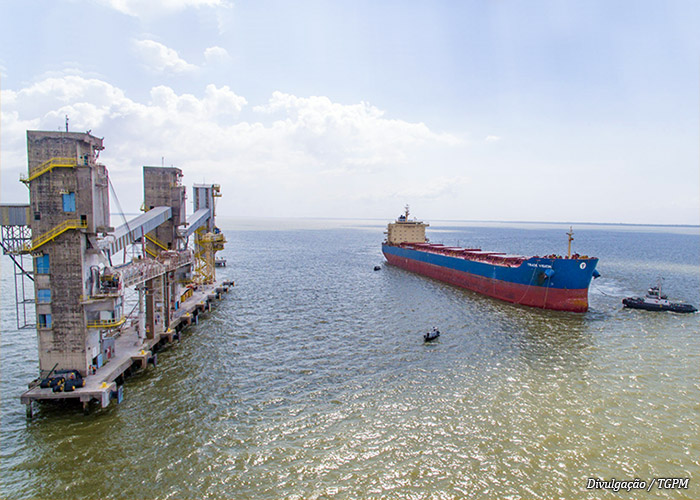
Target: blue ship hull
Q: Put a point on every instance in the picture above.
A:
(550, 283)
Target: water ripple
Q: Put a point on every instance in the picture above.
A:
(311, 380)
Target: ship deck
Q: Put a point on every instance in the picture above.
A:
(479, 255)
(472, 254)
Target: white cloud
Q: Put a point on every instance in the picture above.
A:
(150, 8)
(214, 55)
(350, 135)
(159, 58)
(492, 138)
(216, 102)
(296, 156)
(301, 156)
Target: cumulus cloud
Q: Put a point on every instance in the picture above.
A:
(305, 152)
(159, 58)
(139, 8)
(214, 55)
(352, 135)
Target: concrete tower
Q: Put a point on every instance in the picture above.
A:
(162, 187)
(69, 206)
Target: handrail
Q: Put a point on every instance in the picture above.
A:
(54, 232)
(107, 323)
(156, 242)
(140, 271)
(173, 260)
(47, 166)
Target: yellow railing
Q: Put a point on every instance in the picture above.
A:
(107, 323)
(156, 242)
(47, 166)
(53, 233)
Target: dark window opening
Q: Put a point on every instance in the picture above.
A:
(45, 321)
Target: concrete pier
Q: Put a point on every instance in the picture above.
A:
(130, 352)
(84, 344)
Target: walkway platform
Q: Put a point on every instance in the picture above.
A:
(130, 351)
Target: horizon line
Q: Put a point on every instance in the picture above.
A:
(447, 220)
(471, 220)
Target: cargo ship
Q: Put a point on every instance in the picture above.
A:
(549, 282)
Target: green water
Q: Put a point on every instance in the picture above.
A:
(311, 380)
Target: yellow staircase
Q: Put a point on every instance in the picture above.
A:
(156, 242)
(206, 246)
(47, 166)
(54, 233)
(159, 245)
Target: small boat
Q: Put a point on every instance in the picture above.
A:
(377, 268)
(431, 335)
(657, 301)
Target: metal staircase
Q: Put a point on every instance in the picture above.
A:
(155, 242)
(47, 166)
(53, 234)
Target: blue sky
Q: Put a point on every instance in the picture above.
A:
(497, 110)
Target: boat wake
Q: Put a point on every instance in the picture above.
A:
(610, 288)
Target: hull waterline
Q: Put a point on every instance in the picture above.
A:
(558, 284)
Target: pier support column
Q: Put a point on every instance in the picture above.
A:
(142, 317)
(166, 303)
(150, 309)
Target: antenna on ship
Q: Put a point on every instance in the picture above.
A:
(571, 238)
(66, 123)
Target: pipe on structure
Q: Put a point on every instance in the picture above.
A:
(195, 221)
(126, 234)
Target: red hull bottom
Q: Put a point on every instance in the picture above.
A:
(534, 296)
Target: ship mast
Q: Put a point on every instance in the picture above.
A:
(406, 212)
(571, 238)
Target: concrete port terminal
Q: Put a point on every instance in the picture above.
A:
(74, 269)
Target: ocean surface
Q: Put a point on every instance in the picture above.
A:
(311, 379)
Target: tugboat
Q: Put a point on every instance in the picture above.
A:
(431, 335)
(657, 301)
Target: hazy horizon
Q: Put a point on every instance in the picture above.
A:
(385, 220)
